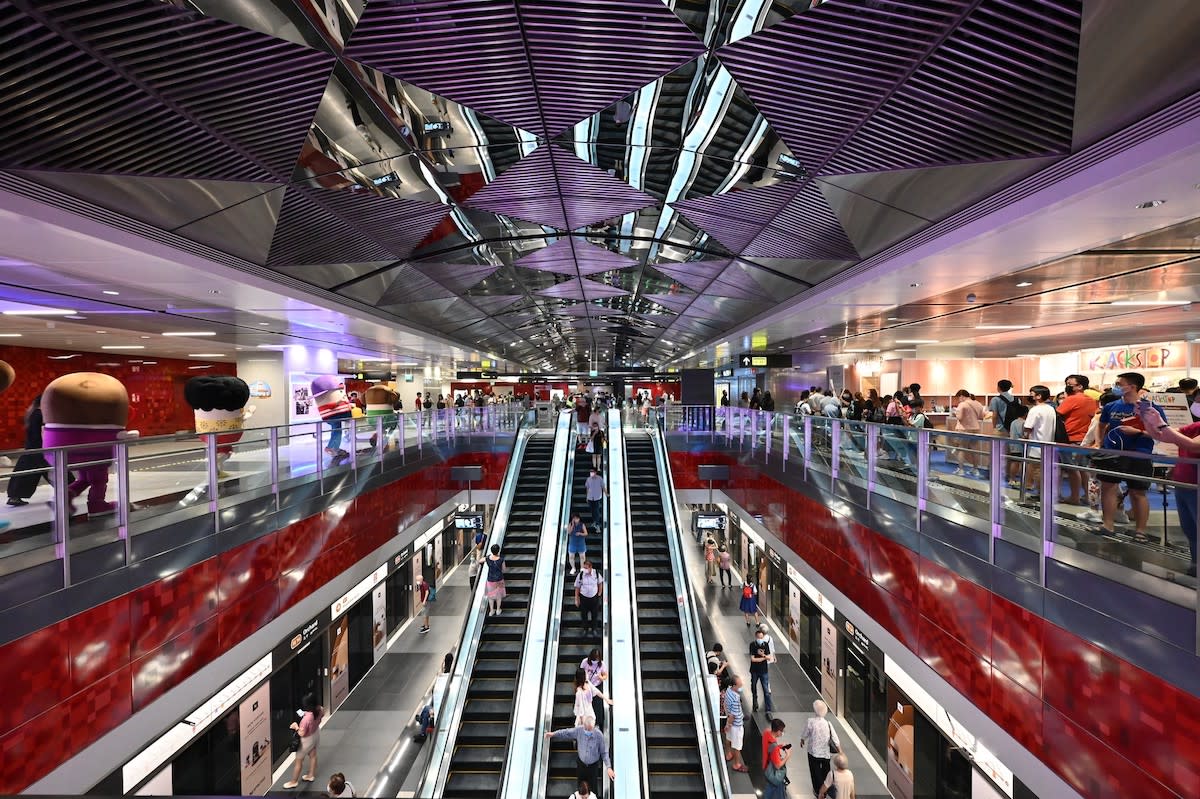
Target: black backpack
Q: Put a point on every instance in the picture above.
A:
(1060, 429)
(1012, 411)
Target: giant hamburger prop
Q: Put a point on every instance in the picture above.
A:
(86, 408)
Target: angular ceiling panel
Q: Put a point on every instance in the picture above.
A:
(584, 289)
(570, 256)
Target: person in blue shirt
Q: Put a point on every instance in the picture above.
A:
(1121, 430)
(591, 752)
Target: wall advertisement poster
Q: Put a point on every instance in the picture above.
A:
(339, 663)
(829, 679)
(379, 620)
(254, 720)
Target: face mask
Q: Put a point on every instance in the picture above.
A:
(1119, 391)
(1069, 390)
(591, 660)
(1195, 408)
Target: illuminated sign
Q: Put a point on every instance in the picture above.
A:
(1171, 355)
(789, 161)
(383, 180)
(260, 389)
(358, 592)
(438, 126)
(764, 360)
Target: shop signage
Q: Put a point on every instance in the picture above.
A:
(358, 592)
(1171, 355)
(384, 180)
(727, 372)
(775, 557)
(156, 754)
(764, 360)
(477, 375)
(437, 126)
(954, 731)
(401, 557)
(858, 641)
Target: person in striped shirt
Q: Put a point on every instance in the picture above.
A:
(735, 726)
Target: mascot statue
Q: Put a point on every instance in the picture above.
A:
(381, 401)
(219, 403)
(86, 408)
(330, 395)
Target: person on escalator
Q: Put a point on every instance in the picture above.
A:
(595, 445)
(596, 491)
(589, 588)
(585, 698)
(597, 673)
(584, 792)
(576, 541)
(591, 750)
(494, 589)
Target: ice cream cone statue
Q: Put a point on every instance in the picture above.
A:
(330, 395)
(381, 401)
(219, 404)
(86, 408)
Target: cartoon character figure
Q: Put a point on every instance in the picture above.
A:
(334, 407)
(86, 408)
(381, 399)
(219, 404)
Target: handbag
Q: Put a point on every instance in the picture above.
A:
(834, 749)
(294, 744)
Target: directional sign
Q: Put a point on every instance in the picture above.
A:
(764, 361)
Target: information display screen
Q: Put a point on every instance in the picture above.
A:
(710, 521)
(469, 521)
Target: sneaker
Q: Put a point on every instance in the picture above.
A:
(16, 503)
(1090, 515)
(1120, 517)
(572, 570)
(423, 630)
(959, 472)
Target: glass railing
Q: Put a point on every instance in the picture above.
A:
(121, 490)
(1044, 499)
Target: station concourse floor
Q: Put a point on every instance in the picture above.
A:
(376, 722)
(791, 690)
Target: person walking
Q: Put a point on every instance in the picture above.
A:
(591, 751)
(775, 757)
(821, 740)
(576, 541)
(494, 589)
(1187, 439)
(760, 660)
(841, 779)
(749, 603)
(26, 476)
(710, 559)
(735, 728)
(725, 564)
(596, 491)
(309, 730)
(423, 594)
(589, 587)
(585, 695)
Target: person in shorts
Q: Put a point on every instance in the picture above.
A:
(735, 729)
(423, 592)
(1123, 431)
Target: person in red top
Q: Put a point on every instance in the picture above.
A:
(1187, 438)
(777, 753)
(1077, 410)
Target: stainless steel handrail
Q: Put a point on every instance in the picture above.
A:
(712, 751)
(456, 690)
(525, 739)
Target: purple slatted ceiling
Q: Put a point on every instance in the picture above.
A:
(494, 303)
(185, 95)
(696, 275)
(814, 74)
(554, 187)
(458, 277)
(588, 54)
(569, 256)
(409, 285)
(673, 302)
(584, 289)
(787, 220)
(334, 226)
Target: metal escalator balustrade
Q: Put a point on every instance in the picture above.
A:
(674, 763)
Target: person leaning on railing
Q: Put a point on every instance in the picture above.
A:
(1187, 438)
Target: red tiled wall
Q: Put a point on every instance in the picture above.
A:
(156, 392)
(1107, 727)
(73, 682)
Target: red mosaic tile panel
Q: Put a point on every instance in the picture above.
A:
(99, 708)
(956, 605)
(35, 671)
(171, 606)
(1017, 644)
(245, 570)
(99, 642)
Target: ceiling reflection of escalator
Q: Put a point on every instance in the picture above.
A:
(673, 765)
(482, 743)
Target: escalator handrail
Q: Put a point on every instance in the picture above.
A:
(447, 725)
(526, 741)
(711, 748)
(625, 667)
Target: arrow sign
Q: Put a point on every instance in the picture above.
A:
(746, 361)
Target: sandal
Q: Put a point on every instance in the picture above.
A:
(1141, 538)
(743, 770)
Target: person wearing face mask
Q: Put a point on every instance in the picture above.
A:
(760, 658)
(593, 666)
(1122, 430)
(1077, 410)
(589, 587)
(1187, 438)
(591, 751)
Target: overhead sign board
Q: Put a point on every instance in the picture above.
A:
(763, 360)
(476, 375)
(437, 126)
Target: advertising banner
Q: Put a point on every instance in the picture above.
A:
(379, 621)
(793, 626)
(829, 663)
(901, 745)
(254, 720)
(339, 663)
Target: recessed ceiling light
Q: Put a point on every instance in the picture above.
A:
(10, 335)
(916, 341)
(1024, 284)
(63, 357)
(143, 337)
(1149, 204)
(893, 318)
(1003, 327)
(123, 347)
(263, 324)
(111, 293)
(101, 332)
(191, 333)
(76, 317)
(1152, 302)
(822, 336)
(39, 312)
(149, 363)
(206, 355)
(205, 366)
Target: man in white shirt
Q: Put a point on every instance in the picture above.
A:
(1039, 426)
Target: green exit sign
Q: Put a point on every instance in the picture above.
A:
(593, 373)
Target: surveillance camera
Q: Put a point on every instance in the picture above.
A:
(971, 297)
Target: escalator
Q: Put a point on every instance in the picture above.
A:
(673, 764)
(481, 745)
(573, 645)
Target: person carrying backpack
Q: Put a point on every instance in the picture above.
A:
(775, 757)
(749, 603)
